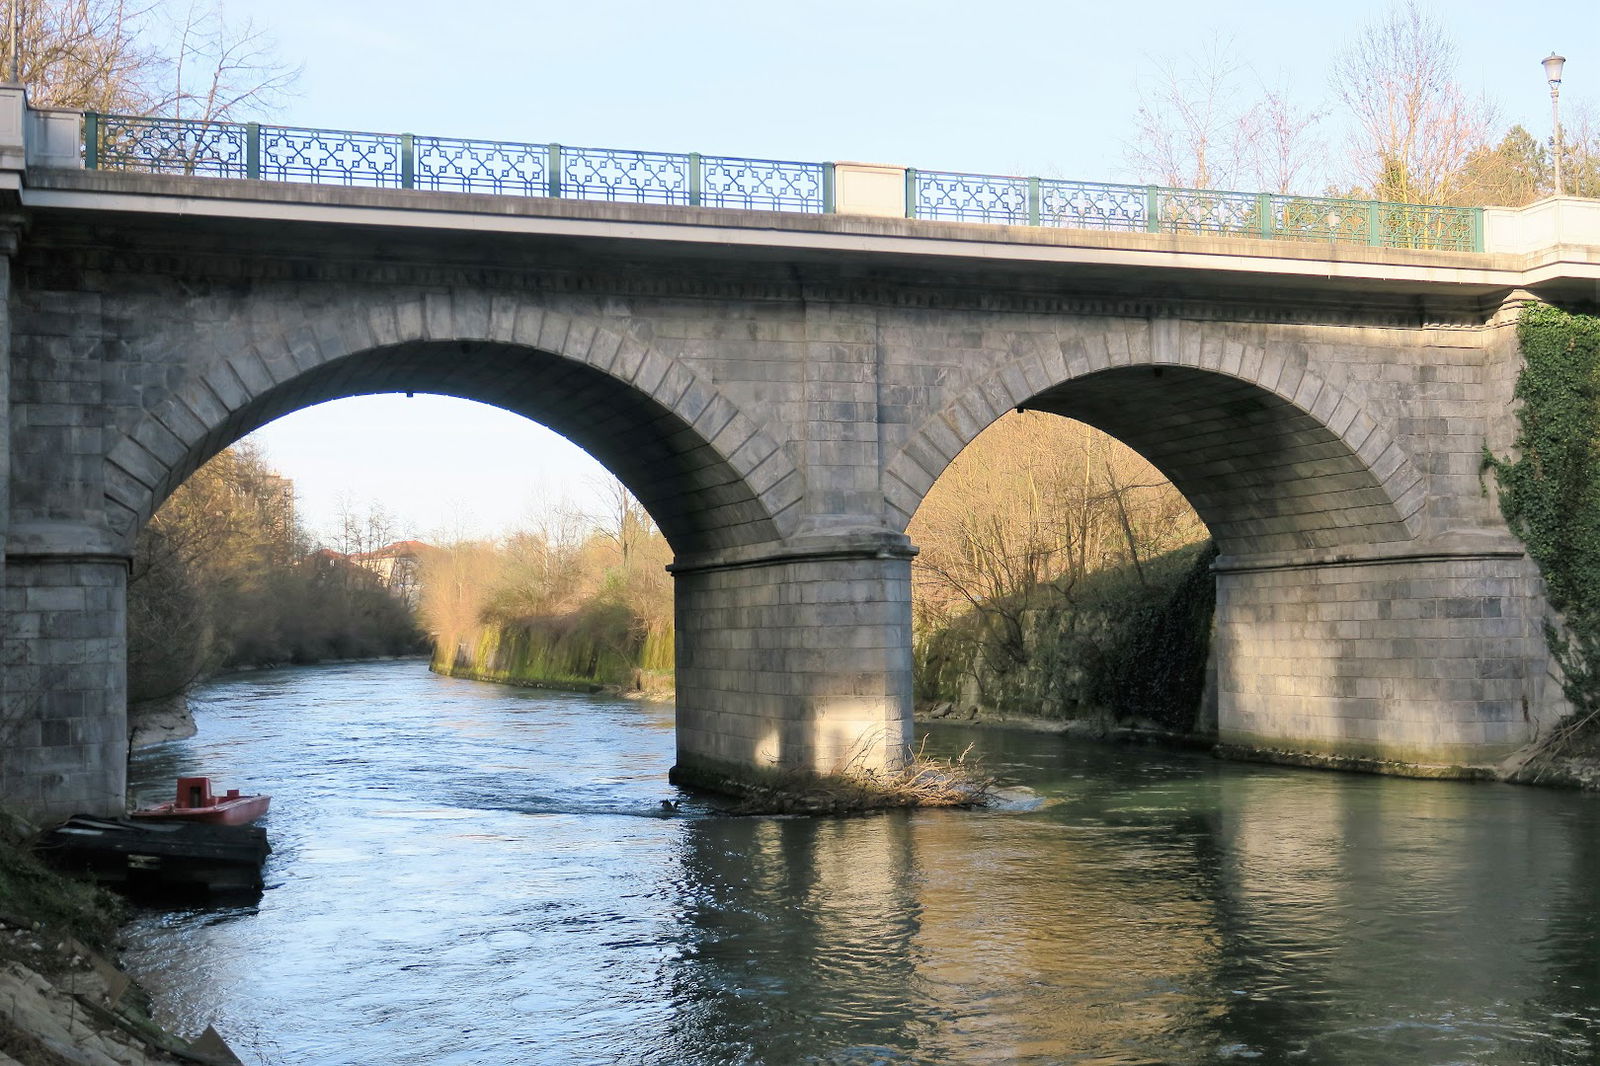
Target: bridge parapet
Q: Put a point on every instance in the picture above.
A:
(37, 136)
(1553, 223)
(152, 165)
(256, 151)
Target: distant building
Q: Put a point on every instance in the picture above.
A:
(327, 562)
(399, 567)
(277, 499)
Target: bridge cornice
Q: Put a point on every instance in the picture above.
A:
(1114, 258)
(208, 251)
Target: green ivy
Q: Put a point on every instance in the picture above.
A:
(1158, 668)
(1550, 495)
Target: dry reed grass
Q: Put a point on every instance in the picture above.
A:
(922, 780)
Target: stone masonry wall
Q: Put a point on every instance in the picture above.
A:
(803, 663)
(1427, 661)
(63, 735)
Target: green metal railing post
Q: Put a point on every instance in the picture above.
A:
(911, 193)
(1264, 209)
(828, 205)
(408, 161)
(553, 170)
(1477, 229)
(91, 141)
(1033, 201)
(252, 150)
(1374, 225)
(694, 179)
(1152, 209)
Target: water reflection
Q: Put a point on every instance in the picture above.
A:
(798, 936)
(469, 874)
(1395, 919)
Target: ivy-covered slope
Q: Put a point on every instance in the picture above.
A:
(1128, 642)
(1550, 494)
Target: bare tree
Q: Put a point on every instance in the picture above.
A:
(572, 594)
(1284, 151)
(624, 522)
(1033, 505)
(1414, 125)
(1211, 122)
(1580, 163)
(1515, 172)
(362, 539)
(211, 542)
(1031, 508)
(220, 67)
(457, 581)
(194, 62)
(82, 53)
(1189, 128)
(536, 573)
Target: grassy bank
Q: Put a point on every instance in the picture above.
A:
(600, 646)
(67, 1002)
(64, 906)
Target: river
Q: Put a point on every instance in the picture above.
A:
(470, 874)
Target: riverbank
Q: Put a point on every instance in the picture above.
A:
(68, 1001)
(152, 722)
(1100, 730)
(597, 648)
(1570, 762)
(649, 686)
(1575, 771)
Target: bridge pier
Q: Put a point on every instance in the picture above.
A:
(64, 731)
(793, 660)
(1426, 660)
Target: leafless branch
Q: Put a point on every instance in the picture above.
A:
(1415, 126)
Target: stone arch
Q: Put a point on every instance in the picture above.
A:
(1271, 454)
(710, 476)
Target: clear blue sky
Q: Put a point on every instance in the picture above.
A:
(1028, 86)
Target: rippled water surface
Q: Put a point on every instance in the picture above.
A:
(465, 873)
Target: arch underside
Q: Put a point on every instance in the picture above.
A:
(1262, 473)
(698, 498)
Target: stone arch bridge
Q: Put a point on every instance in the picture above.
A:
(781, 390)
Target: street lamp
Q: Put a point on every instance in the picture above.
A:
(16, 42)
(1552, 73)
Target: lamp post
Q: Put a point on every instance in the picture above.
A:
(16, 42)
(1552, 73)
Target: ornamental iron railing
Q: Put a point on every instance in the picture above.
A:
(1155, 209)
(450, 164)
(454, 164)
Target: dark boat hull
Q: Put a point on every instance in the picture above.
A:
(159, 860)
